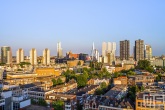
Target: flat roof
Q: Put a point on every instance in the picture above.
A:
(36, 107)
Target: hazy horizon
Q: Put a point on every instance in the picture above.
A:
(77, 24)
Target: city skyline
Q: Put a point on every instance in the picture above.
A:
(78, 24)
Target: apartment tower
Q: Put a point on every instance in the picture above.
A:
(6, 55)
(139, 50)
(20, 55)
(46, 56)
(147, 52)
(124, 50)
(59, 50)
(33, 56)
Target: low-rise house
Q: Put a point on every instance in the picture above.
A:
(110, 104)
(39, 93)
(120, 80)
(98, 81)
(69, 100)
(92, 102)
(117, 92)
(90, 89)
(141, 79)
(72, 84)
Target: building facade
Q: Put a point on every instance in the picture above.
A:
(33, 56)
(139, 50)
(6, 55)
(147, 52)
(46, 56)
(108, 52)
(124, 50)
(20, 55)
(59, 50)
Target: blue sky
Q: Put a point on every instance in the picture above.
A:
(77, 23)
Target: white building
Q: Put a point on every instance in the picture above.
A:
(59, 50)
(108, 52)
(46, 56)
(20, 55)
(33, 56)
(104, 48)
(147, 52)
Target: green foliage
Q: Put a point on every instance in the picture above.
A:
(42, 102)
(58, 105)
(57, 82)
(22, 64)
(99, 92)
(95, 65)
(33, 101)
(158, 78)
(103, 85)
(54, 82)
(145, 65)
(142, 88)
(87, 74)
(133, 90)
(2, 64)
(130, 73)
(79, 63)
(19, 69)
(81, 80)
(117, 74)
(69, 75)
(102, 89)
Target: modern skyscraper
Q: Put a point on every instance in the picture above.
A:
(104, 49)
(33, 56)
(6, 55)
(139, 50)
(59, 50)
(124, 50)
(20, 55)
(46, 56)
(147, 52)
(108, 52)
(93, 52)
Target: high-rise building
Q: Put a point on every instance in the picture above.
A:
(33, 56)
(46, 56)
(6, 55)
(95, 54)
(104, 49)
(59, 50)
(20, 55)
(124, 50)
(139, 50)
(108, 52)
(147, 52)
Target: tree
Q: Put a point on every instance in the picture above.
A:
(116, 74)
(42, 102)
(59, 81)
(145, 65)
(54, 82)
(103, 85)
(2, 64)
(81, 80)
(142, 88)
(129, 73)
(99, 92)
(58, 105)
(79, 63)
